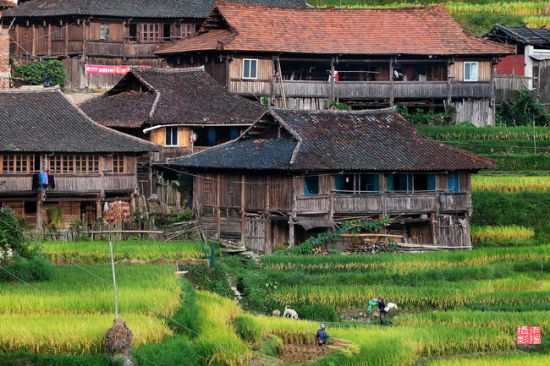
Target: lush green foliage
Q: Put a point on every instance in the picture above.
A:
(142, 250)
(421, 117)
(18, 260)
(11, 234)
(522, 110)
(481, 23)
(511, 184)
(210, 278)
(37, 268)
(521, 162)
(30, 359)
(502, 209)
(36, 73)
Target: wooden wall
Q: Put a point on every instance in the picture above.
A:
(265, 68)
(116, 31)
(456, 70)
(158, 136)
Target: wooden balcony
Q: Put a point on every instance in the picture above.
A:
(120, 49)
(71, 183)
(387, 203)
(362, 90)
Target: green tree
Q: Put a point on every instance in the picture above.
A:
(37, 73)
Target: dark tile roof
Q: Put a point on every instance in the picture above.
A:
(184, 96)
(131, 8)
(46, 121)
(428, 30)
(539, 37)
(338, 140)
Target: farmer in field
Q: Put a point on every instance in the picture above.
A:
(382, 309)
(322, 336)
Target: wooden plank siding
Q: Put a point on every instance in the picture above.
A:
(456, 70)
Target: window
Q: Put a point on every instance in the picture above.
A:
(118, 164)
(356, 183)
(104, 32)
(187, 30)
(150, 32)
(58, 33)
(17, 163)
(470, 71)
(250, 68)
(311, 185)
(74, 164)
(171, 136)
(453, 182)
(410, 183)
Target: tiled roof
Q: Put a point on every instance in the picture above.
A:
(46, 121)
(539, 37)
(338, 140)
(184, 96)
(414, 31)
(130, 8)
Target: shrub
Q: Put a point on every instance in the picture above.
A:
(11, 234)
(522, 110)
(37, 72)
(209, 278)
(38, 268)
(421, 117)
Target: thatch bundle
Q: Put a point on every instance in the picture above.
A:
(118, 339)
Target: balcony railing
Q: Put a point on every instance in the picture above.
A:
(364, 89)
(120, 49)
(384, 203)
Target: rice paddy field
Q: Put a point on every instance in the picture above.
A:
(136, 250)
(470, 13)
(70, 313)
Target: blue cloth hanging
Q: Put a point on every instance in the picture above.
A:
(43, 178)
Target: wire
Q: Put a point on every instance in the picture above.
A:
(44, 293)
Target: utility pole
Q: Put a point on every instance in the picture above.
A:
(114, 276)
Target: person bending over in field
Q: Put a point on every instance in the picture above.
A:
(322, 336)
(382, 309)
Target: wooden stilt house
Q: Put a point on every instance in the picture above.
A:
(367, 58)
(98, 40)
(295, 173)
(86, 165)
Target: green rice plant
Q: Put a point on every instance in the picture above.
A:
(502, 234)
(437, 295)
(522, 359)
(403, 263)
(71, 333)
(537, 21)
(519, 162)
(507, 7)
(470, 133)
(511, 184)
(528, 209)
(503, 321)
(217, 342)
(144, 288)
(140, 250)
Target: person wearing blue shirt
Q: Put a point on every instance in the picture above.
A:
(322, 336)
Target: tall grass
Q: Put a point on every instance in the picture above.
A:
(511, 184)
(537, 21)
(140, 250)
